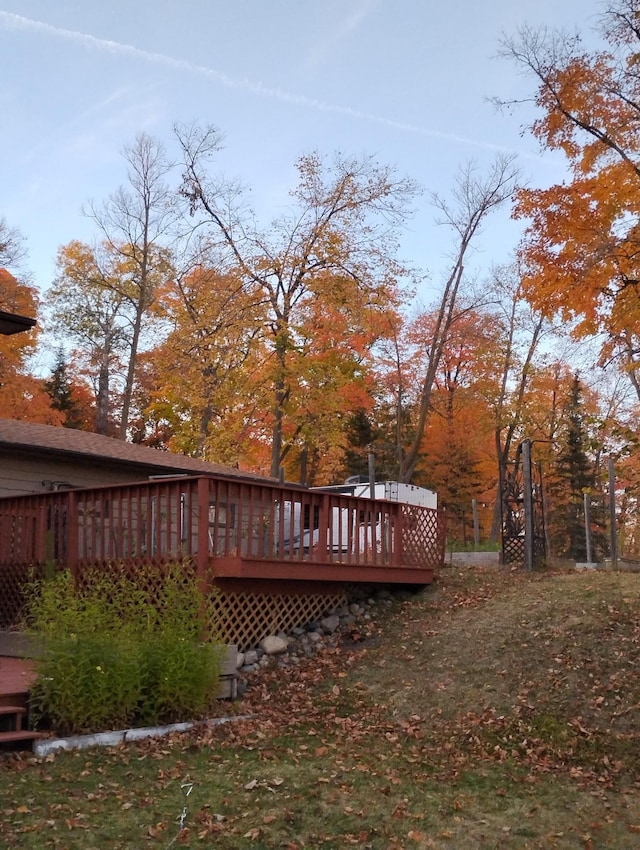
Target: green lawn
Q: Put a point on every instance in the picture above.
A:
(494, 710)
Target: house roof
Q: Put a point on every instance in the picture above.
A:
(11, 323)
(31, 437)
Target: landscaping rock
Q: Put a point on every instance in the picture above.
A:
(330, 624)
(340, 627)
(274, 645)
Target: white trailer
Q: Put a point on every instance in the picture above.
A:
(368, 533)
(392, 491)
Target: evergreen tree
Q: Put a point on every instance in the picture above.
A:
(573, 475)
(63, 395)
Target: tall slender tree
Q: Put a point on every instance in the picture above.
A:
(136, 224)
(474, 198)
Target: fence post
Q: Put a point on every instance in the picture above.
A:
(527, 505)
(587, 524)
(612, 516)
(476, 524)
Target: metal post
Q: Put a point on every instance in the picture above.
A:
(612, 516)
(476, 524)
(587, 524)
(372, 474)
(527, 505)
(304, 459)
(545, 524)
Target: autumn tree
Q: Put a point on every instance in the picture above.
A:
(332, 254)
(135, 224)
(580, 246)
(205, 391)
(457, 453)
(522, 329)
(334, 363)
(22, 395)
(398, 367)
(474, 197)
(88, 309)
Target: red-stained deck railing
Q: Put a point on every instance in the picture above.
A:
(234, 528)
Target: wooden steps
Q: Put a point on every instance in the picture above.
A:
(28, 736)
(13, 721)
(16, 677)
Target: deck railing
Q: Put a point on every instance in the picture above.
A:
(209, 518)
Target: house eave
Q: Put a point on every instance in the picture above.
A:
(12, 323)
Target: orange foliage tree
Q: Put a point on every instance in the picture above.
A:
(209, 387)
(581, 244)
(203, 385)
(457, 454)
(22, 396)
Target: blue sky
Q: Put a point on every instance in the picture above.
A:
(404, 80)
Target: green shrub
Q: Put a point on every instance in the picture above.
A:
(121, 650)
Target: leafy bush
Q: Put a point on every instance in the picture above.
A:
(121, 650)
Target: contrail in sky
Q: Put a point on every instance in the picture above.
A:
(9, 20)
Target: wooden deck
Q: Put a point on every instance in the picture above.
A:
(227, 528)
(17, 675)
(280, 571)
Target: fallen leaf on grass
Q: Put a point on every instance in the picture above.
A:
(156, 831)
(252, 834)
(76, 823)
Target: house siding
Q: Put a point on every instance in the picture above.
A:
(22, 476)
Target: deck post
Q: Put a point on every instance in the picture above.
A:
(202, 558)
(401, 534)
(395, 535)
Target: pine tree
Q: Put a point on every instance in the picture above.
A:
(573, 476)
(60, 388)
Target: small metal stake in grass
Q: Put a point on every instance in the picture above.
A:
(186, 788)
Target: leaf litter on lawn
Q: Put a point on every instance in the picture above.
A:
(494, 709)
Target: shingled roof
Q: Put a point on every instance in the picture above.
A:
(10, 321)
(33, 438)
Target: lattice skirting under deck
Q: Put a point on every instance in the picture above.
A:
(244, 618)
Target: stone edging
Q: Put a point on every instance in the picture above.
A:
(46, 746)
